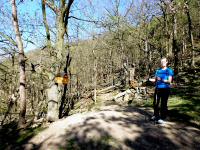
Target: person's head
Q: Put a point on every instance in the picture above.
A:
(163, 62)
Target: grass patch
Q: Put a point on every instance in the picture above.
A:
(142, 103)
(185, 109)
(183, 105)
(26, 134)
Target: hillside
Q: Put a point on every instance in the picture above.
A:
(90, 83)
(113, 127)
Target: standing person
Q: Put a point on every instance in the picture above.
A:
(163, 79)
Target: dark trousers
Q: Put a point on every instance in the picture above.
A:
(160, 102)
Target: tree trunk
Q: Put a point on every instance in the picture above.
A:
(132, 73)
(22, 76)
(46, 24)
(60, 39)
(165, 28)
(53, 100)
(175, 47)
(62, 16)
(190, 31)
(55, 90)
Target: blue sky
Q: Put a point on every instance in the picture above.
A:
(30, 13)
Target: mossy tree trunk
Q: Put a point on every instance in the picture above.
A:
(55, 90)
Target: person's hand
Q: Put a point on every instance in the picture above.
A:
(165, 81)
(158, 78)
(151, 80)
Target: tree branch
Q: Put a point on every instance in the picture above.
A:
(48, 36)
(92, 21)
(52, 6)
(129, 9)
(3, 41)
(8, 38)
(67, 8)
(5, 54)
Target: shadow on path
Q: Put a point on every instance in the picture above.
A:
(115, 128)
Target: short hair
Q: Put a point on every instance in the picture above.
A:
(163, 59)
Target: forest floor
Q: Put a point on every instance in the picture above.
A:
(115, 127)
(111, 125)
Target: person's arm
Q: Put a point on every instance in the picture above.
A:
(170, 76)
(152, 79)
(169, 80)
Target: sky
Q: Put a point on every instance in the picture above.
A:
(29, 12)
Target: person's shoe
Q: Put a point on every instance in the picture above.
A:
(160, 121)
(153, 118)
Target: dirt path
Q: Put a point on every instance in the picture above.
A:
(115, 127)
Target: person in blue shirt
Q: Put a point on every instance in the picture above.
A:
(163, 79)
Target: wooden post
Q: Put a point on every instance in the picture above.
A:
(95, 77)
(132, 73)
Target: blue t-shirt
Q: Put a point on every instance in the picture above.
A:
(164, 75)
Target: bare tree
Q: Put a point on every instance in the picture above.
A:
(22, 77)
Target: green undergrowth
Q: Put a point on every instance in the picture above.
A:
(183, 105)
(85, 105)
(185, 109)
